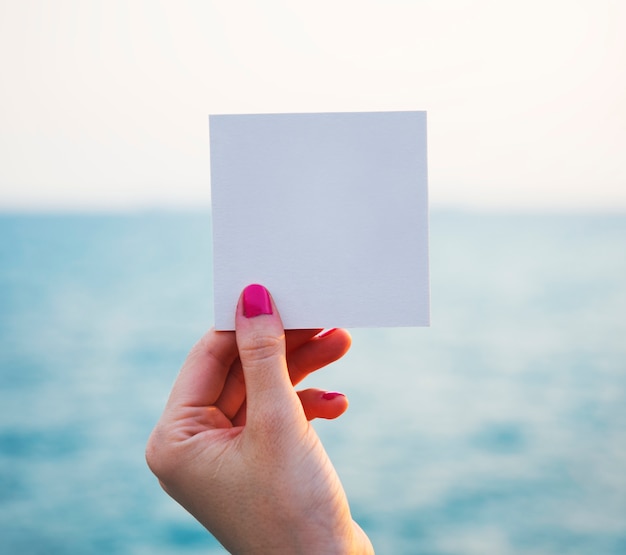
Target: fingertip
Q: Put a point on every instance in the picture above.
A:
(340, 338)
(330, 395)
(347, 338)
(318, 403)
(257, 312)
(337, 400)
(256, 301)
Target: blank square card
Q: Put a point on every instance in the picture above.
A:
(329, 211)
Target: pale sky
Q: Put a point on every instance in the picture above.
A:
(104, 104)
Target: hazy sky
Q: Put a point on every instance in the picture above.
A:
(104, 104)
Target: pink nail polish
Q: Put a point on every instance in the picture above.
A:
(330, 395)
(256, 301)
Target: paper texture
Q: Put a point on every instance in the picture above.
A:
(329, 211)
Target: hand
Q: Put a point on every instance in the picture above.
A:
(234, 445)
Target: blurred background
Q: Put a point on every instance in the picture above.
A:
(498, 430)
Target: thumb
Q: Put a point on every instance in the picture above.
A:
(261, 343)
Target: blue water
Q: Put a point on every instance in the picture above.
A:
(499, 430)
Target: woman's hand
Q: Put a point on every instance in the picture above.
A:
(234, 445)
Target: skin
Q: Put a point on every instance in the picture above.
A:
(234, 445)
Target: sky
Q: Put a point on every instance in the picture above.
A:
(104, 104)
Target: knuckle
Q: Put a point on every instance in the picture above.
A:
(157, 456)
(259, 347)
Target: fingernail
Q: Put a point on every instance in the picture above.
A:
(326, 332)
(329, 395)
(256, 301)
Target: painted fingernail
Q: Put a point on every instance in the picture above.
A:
(256, 301)
(326, 332)
(329, 395)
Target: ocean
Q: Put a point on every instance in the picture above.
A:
(499, 430)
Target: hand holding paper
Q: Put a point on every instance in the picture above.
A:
(234, 446)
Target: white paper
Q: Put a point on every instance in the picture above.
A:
(329, 211)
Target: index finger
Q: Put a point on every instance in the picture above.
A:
(202, 376)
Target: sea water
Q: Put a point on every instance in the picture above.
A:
(500, 430)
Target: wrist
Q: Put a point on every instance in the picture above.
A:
(308, 542)
(353, 542)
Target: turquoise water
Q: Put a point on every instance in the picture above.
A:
(500, 430)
